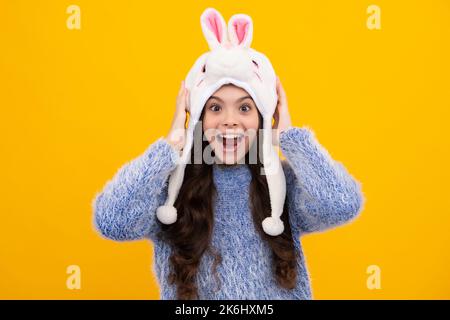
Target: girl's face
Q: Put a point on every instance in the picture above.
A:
(230, 123)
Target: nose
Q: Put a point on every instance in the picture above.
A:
(230, 120)
(230, 124)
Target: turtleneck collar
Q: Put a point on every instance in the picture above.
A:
(229, 176)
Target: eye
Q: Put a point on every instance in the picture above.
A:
(214, 107)
(204, 68)
(255, 63)
(246, 107)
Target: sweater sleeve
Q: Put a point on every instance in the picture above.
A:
(321, 193)
(126, 207)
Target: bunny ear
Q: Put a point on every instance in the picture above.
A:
(240, 30)
(214, 28)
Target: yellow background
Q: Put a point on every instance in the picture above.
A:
(77, 104)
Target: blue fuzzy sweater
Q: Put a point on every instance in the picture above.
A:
(320, 191)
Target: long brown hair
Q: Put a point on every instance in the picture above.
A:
(190, 236)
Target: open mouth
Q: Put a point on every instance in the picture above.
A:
(230, 141)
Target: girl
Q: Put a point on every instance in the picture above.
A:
(226, 204)
(216, 247)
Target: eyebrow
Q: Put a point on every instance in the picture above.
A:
(238, 100)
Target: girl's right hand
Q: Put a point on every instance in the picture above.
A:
(177, 133)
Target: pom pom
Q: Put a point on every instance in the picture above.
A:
(167, 214)
(273, 226)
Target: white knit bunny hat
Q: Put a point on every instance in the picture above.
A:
(231, 60)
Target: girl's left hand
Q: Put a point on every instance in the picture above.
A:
(281, 114)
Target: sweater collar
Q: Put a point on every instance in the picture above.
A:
(231, 175)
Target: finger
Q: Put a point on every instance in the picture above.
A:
(282, 93)
(181, 90)
(181, 99)
(187, 100)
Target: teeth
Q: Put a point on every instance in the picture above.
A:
(228, 136)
